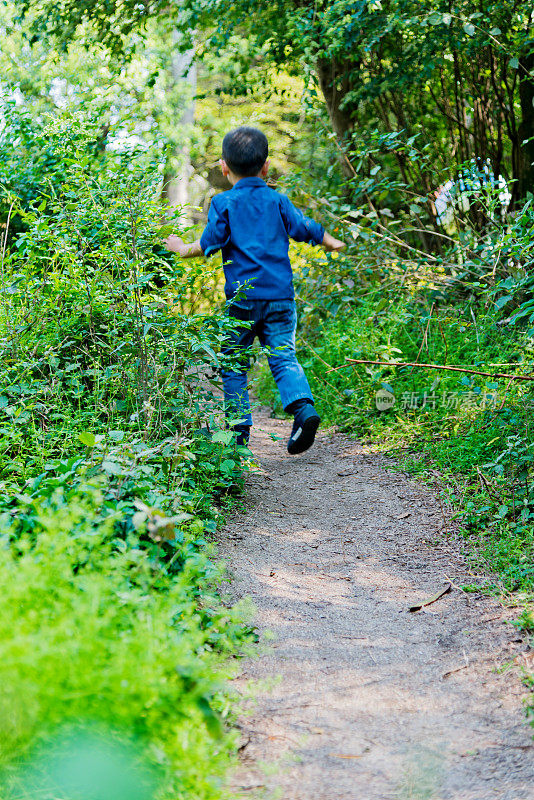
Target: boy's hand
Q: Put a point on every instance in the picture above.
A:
(329, 243)
(177, 245)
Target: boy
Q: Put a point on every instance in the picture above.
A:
(251, 224)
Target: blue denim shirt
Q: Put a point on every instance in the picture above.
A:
(252, 224)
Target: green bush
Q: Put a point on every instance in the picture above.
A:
(95, 631)
(104, 367)
(109, 490)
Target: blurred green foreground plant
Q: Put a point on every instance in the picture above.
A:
(95, 630)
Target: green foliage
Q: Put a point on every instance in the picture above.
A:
(109, 491)
(90, 305)
(457, 77)
(139, 101)
(416, 134)
(94, 630)
(102, 370)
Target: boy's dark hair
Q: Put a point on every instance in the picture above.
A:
(245, 150)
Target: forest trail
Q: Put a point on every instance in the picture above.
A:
(359, 699)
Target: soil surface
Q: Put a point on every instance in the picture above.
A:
(356, 697)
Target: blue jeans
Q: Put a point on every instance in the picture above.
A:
(274, 323)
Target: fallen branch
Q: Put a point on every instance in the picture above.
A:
(434, 366)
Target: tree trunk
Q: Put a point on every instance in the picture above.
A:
(335, 84)
(176, 186)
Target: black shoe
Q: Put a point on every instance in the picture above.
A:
(304, 429)
(243, 435)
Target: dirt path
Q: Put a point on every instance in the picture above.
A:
(359, 699)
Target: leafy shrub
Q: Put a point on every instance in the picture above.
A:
(92, 345)
(109, 491)
(94, 630)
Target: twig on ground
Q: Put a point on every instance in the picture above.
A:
(485, 485)
(452, 671)
(425, 335)
(455, 585)
(430, 600)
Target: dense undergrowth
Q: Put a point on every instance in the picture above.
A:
(474, 431)
(109, 491)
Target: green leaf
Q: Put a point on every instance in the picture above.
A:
(112, 468)
(514, 63)
(236, 421)
(87, 438)
(495, 32)
(469, 29)
(208, 349)
(223, 437)
(166, 230)
(212, 720)
(523, 311)
(503, 300)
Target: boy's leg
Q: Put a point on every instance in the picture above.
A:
(277, 333)
(236, 399)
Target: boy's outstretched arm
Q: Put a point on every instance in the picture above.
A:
(177, 245)
(329, 243)
(304, 229)
(193, 250)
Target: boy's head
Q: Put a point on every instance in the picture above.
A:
(245, 151)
